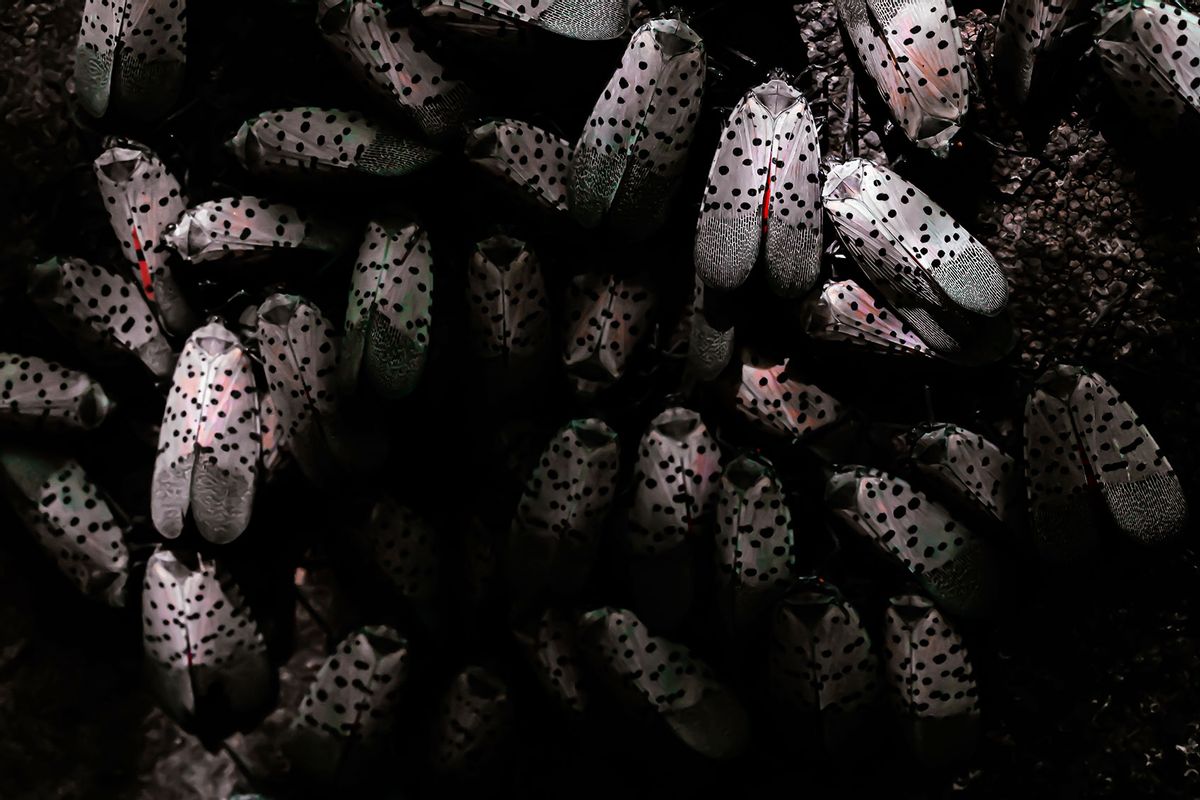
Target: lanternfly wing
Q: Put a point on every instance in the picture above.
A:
(507, 296)
(389, 314)
(635, 143)
(474, 719)
(820, 661)
(132, 54)
(403, 545)
(649, 671)
(208, 450)
(101, 310)
(73, 521)
(144, 200)
(203, 646)
(352, 702)
(387, 57)
(577, 19)
(606, 320)
(557, 525)
(527, 157)
(931, 681)
(299, 358)
(951, 562)
(38, 393)
(907, 243)
(1136, 79)
(96, 53)
(551, 650)
(1027, 29)
(1061, 514)
(782, 405)
(709, 349)
(247, 227)
(1152, 51)
(273, 436)
(914, 52)
(1140, 488)
(845, 312)
(325, 141)
(763, 189)
(675, 481)
(153, 53)
(754, 538)
(967, 465)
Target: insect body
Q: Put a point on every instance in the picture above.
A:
(144, 200)
(763, 193)
(326, 142)
(929, 269)
(208, 446)
(131, 55)
(914, 52)
(635, 144)
(1151, 51)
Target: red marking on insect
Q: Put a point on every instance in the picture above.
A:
(144, 267)
(1092, 480)
(767, 197)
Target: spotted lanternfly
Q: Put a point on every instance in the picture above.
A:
(475, 719)
(35, 393)
(674, 481)
(551, 651)
(577, 19)
(273, 456)
(708, 348)
(100, 310)
(401, 543)
(1080, 434)
(131, 56)
(389, 314)
(965, 465)
(386, 57)
(934, 274)
(650, 673)
(820, 667)
(524, 156)
(950, 562)
(350, 707)
(1151, 51)
(930, 681)
(606, 320)
(326, 142)
(143, 200)
(248, 228)
(506, 293)
(561, 514)
(208, 446)
(754, 539)
(1027, 29)
(299, 355)
(915, 55)
(73, 521)
(763, 193)
(781, 405)
(207, 659)
(845, 312)
(491, 31)
(634, 147)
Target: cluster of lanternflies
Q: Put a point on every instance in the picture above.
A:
(272, 386)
